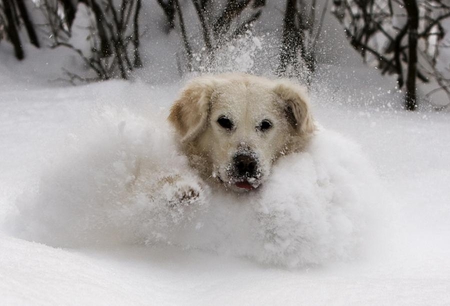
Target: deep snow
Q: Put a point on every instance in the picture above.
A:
(97, 190)
(403, 261)
(64, 152)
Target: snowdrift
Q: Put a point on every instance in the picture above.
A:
(314, 208)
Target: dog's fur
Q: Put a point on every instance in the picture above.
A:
(233, 127)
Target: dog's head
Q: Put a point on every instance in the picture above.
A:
(234, 126)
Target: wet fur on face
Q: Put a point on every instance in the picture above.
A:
(233, 127)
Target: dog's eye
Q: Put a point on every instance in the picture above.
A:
(225, 122)
(264, 125)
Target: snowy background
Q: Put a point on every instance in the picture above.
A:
(69, 237)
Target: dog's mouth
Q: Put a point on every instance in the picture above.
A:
(242, 174)
(245, 185)
(242, 185)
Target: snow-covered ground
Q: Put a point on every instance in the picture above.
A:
(65, 150)
(405, 259)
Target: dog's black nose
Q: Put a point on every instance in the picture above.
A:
(245, 165)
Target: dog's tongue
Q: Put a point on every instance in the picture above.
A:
(244, 185)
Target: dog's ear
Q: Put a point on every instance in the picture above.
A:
(189, 114)
(296, 106)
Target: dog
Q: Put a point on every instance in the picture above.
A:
(234, 127)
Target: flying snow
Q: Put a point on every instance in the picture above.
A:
(100, 190)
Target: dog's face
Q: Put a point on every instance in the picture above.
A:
(233, 127)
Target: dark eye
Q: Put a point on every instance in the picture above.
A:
(264, 125)
(225, 122)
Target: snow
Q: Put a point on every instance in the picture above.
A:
(54, 137)
(96, 189)
(374, 231)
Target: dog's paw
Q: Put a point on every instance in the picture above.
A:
(185, 195)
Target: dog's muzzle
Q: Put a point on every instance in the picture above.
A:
(245, 165)
(245, 172)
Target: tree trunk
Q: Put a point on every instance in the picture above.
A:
(199, 7)
(187, 46)
(232, 9)
(291, 40)
(259, 3)
(100, 20)
(28, 24)
(169, 10)
(413, 25)
(136, 39)
(13, 33)
(70, 11)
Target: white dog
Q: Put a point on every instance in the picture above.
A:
(233, 127)
(122, 180)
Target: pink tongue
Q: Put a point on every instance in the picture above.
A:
(244, 185)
